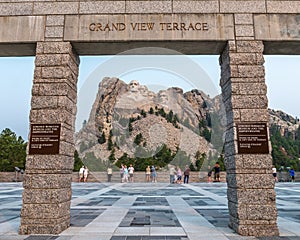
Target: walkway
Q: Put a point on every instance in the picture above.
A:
(153, 211)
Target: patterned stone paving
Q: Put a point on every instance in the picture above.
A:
(100, 201)
(82, 217)
(204, 201)
(151, 201)
(153, 217)
(154, 211)
(158, 192)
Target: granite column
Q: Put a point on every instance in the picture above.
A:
(47, 181)
(248, 160)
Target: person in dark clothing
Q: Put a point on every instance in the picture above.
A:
(186, 174)
(217, 172)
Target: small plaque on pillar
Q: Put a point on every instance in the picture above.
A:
(252, 138)
(44, 139)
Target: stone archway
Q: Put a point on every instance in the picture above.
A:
(240, 31)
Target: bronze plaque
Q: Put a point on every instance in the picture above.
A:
(252, 138)
(44, 139)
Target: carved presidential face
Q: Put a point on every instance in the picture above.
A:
(163, 96)
(134, 85)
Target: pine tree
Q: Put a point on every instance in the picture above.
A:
(12, 151)
(77, 161)
(138, 139)
(102, 138)
(151, 111)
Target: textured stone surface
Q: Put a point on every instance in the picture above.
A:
(243, 18)
(210, 6)
(277, 26)
(55, 20)
(11, 9)
(251, 196)
(228, 6)
(54, 32)
(216, 27)
(48, 162)
(22, 28)
(102, 7)
(254, 115)
(55, 7)
(283, 6)
(47, 181)
(149, 7)
(244, 31)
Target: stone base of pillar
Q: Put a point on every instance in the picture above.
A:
(255, 229)
(44, 226)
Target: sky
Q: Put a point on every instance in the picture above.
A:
(157, 72)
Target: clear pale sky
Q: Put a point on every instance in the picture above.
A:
(282, 78)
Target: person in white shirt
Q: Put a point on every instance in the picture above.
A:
(275, 173)
(85, 173)
(81, 171)
(130, 171)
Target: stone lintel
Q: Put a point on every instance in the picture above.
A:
(277, 27)
(153, 27)
(283, 6)
(235, 6)
(246, 18)
(15, 8)
(211, 6)
(16, 29)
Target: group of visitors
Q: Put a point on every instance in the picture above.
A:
(291, 173)
(83, 174)
(151, 175)
(126, 173)
(176, 174)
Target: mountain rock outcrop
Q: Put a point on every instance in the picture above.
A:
(123, 111)
(131, 119)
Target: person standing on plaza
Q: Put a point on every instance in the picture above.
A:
(122, 172)
(81, 171)
(179, 175)
(125, 174)
(109, 174)
(208, 174)
(130, 171)
(148, 172)
(186, 174)
(217, 172)
(172, 173)
(292, 174)
(153, 173)
(274, 173)
(85, 173)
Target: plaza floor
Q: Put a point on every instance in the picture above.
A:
(149, 211)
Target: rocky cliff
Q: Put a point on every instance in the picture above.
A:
(128, 117)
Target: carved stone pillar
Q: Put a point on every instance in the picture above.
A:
(251, 195)
(47, 182)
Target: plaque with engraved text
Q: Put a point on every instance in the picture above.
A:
(44, 139)
(252, 138)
